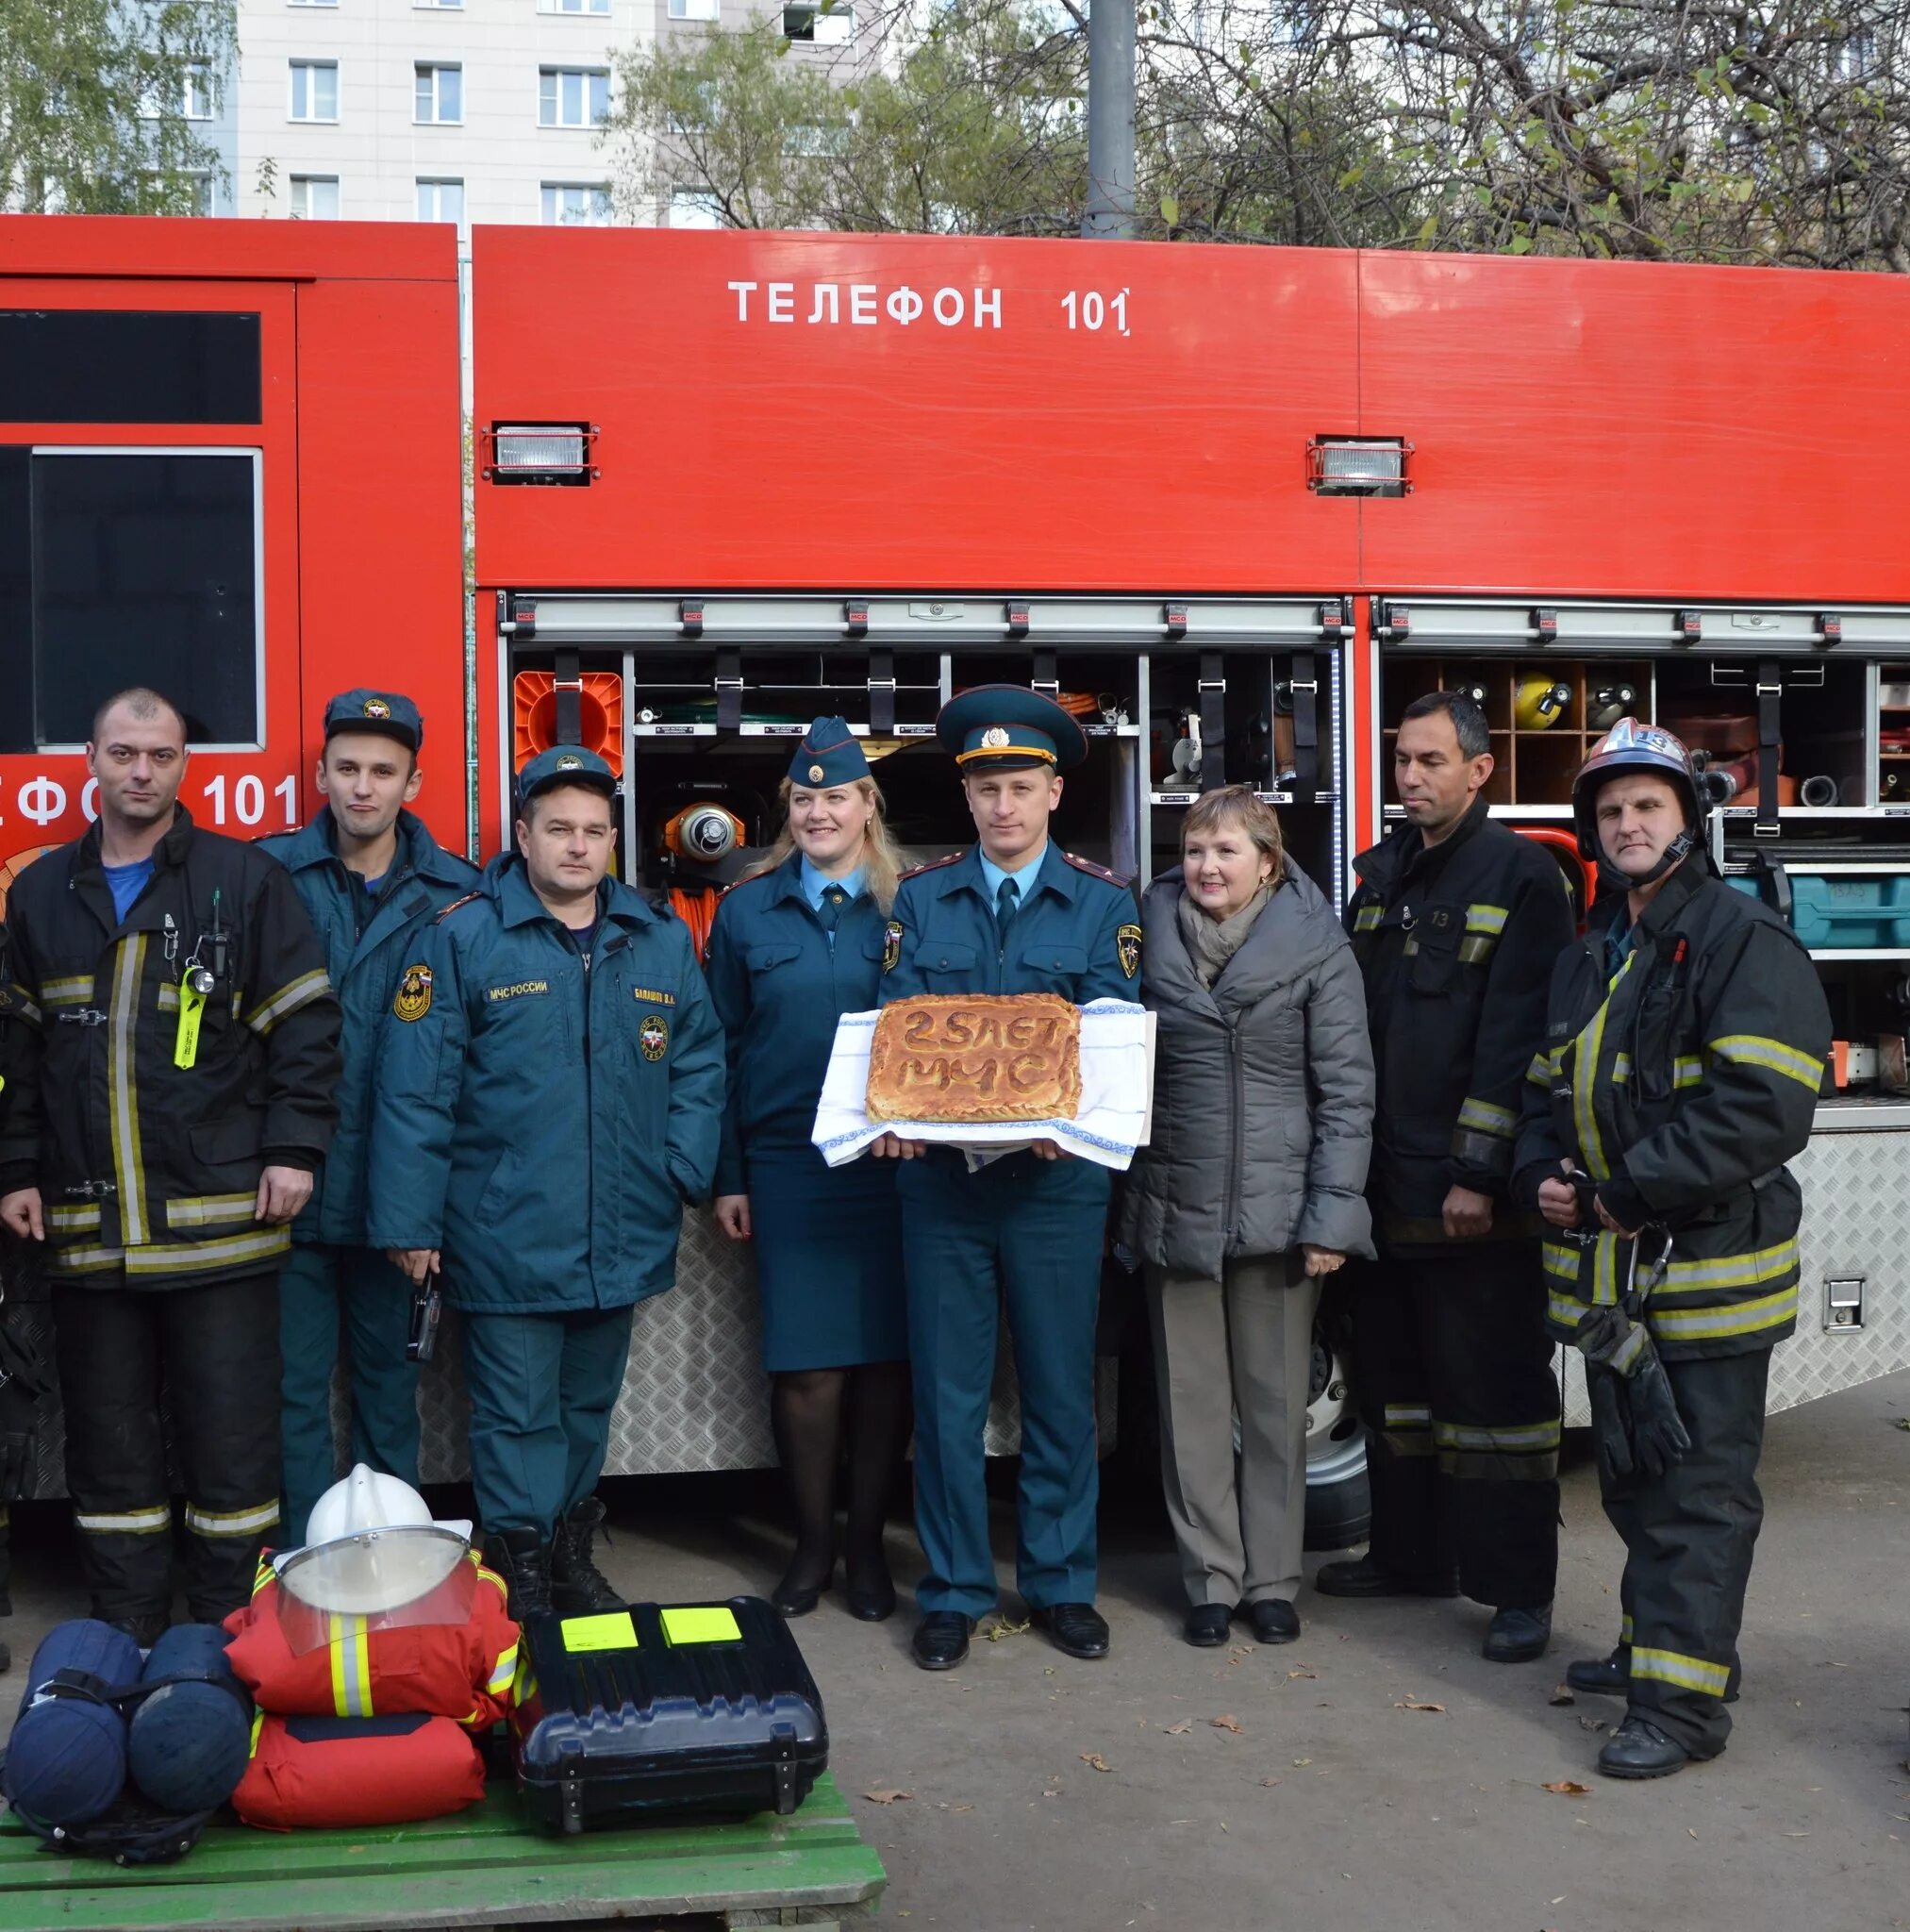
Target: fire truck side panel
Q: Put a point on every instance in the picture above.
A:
(858, 413)
(1625, 430)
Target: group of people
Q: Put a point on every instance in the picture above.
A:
(263, 1098)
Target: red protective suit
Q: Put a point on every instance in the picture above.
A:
(307, 1771)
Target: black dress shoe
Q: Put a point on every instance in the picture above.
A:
(1079, 1629)
(941, 1639)
(871, 1595)
(1602, 1676)
(1517, 1636)
(1207, 1625)
(797, 1594)
(1362, 1576)
(1639, 1749)
(1275, 1620)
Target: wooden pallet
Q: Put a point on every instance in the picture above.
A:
(483, 1867)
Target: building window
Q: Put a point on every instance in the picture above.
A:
(439, 94)
(576, 203)
(457, 4)
(193, 101)
(695, 207)
(572, 96)
(826, 23)
(201, 192)
(311, 3)
(314, 91)
(441, 201)
(573, 6)
(314, 197)
(695, 9)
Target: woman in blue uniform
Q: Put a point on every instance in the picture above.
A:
(797, 943)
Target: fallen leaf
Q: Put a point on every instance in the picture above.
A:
(1593, 1724)
(1181, 1729)
(1095, 1761)
(1559, 1900)
(1564, 1693)
(1302, 1672)
(1001, 1627)
(1267, 1783)
(888, 1797)
(1689, 1833)
(1229, 1723)
(1567, 1789)
(1903, 1422)
(1303, 1760)
(1414, 1704)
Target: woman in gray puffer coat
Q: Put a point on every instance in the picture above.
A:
(1249, 1192)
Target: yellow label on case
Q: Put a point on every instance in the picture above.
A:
(701, 1623)
(611, 1631)
(186, 1043)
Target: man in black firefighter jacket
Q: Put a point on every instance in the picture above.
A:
(1684, 1050)
(160, 1131)
(1456, 924)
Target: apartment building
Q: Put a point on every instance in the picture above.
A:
(457, 110)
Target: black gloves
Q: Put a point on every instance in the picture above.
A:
(1635, 1415)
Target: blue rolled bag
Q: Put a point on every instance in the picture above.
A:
(117, 1756)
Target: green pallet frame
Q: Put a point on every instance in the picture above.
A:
(483, 1866)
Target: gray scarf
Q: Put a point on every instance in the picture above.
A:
(1211, 943)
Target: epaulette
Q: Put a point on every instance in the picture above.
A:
(456, 904)
(1093, 871)
(915, 872)
(749, 878)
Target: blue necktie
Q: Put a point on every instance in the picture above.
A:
(830, 910)
(1007, 903)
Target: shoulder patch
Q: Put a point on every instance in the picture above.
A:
(1093, 871)
(456, 904)
(915, 872)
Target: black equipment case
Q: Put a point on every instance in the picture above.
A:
(665, 1707)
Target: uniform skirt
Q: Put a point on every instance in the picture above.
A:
(828, 1249)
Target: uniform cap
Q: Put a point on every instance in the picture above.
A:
(564, 764)
(828, 755)
(1007, 728)
(389, 713)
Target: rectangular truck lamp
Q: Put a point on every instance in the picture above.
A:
(1359, 465)
(549, 453)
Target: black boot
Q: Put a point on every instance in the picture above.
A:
(522, 1559)
(578, 1588)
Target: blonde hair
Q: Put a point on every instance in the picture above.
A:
(1236, 804)
(882, 865)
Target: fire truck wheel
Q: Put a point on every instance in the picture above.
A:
(1339, 1500)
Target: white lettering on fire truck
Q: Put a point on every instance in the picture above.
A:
(867, 305)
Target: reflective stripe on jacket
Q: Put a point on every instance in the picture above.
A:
(1683, 1084)
(1457, 947)
(147, 1167)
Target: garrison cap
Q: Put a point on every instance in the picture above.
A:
(564, 764)
(828, 755)
(1007, 728)
(389, 713)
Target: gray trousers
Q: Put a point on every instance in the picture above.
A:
(1239, 1530)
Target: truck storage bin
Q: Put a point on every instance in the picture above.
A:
(1847, 913)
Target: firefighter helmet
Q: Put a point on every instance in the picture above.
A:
(1632, 746)
(373, 1551)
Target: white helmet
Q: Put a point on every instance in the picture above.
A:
(372, 1548)
(366, 1499)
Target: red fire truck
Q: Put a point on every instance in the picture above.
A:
(1234, 507)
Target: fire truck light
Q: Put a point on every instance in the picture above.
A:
(540, 453)
(1359, 465)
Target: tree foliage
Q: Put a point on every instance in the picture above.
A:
(92, 97)
(1756, 131)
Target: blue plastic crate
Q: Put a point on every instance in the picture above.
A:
(1846, 912)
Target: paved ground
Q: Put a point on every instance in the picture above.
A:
(1026, 1790)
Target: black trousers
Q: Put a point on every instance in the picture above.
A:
(1452, 1369)
(1689, 1536)
(214, 1349)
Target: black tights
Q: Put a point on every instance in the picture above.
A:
(808, 1408)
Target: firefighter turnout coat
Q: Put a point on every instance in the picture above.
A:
(1682, 1084)
(144, 1118)
(1456, 945)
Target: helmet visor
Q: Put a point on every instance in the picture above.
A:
(380, 1579)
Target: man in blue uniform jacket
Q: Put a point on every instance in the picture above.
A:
(1013, 914)
(373, 877)
(552, 1095)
